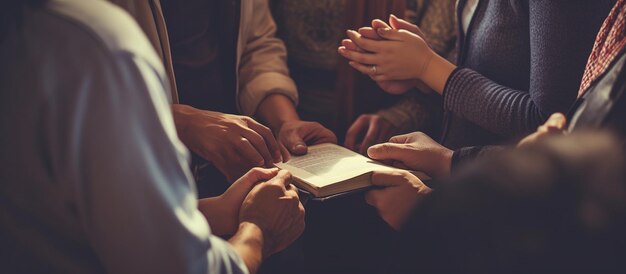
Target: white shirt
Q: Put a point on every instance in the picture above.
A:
(468, 13)
(93, 177)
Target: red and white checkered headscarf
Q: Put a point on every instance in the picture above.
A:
(609, 43)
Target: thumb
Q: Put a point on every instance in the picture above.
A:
(390, 178)
(390, 34)
(387, 151)
(283, 178)
(557, 120)
(244, 184)
(295, 144)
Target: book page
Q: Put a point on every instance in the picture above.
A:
(328, 163)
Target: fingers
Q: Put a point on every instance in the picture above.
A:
(369, 33)
(392, 178)
(364, 43)
(387, 151)
(283, 178)
(391, 34)
(372, 197)
(247, 151)
(397, 23)
(307, 133)
(269, 141)
(377, 24)
(365, 58)
(359, 125)
(257, 174)
(284, 152)
(363, 68)
(400, 165)
(404, 138)
(349, 45)
(557, 120)
(294, 143)
(292, 192)
(252, 137)
(319, 135)
(244, 184)
(370, 136)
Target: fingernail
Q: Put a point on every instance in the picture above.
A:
(299, 147)
(278, 158)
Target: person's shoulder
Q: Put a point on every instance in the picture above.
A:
(107, 25)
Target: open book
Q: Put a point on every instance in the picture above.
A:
(329, 169)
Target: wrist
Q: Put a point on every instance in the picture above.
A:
(445, 163)
(257, 237)
(249, 243)
(436, 72)
(276, 110)
(420, 71)
(181, 121)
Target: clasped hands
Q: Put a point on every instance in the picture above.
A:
(395, 55)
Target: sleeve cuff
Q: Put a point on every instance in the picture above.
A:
(253, 93)
(456, 87)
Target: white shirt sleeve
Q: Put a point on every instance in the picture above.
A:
(136, 196)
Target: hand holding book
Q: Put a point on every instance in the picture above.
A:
(414, 151)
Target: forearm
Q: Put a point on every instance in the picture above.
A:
(510, 112)
(249, 243)
(275, 110)
(181, 115)
(223, 220)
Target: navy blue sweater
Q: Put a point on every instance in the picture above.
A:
(520, 61)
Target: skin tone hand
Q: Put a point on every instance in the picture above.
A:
(279, 113)
(271, 217)
(275, 210)
(554, 126)
(401, 192)
(368, 130)
(402, 55)
(222, 211)
(391, 86)
(232, 143)
(415, 151)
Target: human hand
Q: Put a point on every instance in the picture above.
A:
(275, 208)
(389, 86)
(555, 125)
(232, 143)
(415, 151)
(402, 56)
(401, 193)
(296, 135)
(367, 130)
(222, 211)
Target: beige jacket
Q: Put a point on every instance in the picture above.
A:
(261, 57)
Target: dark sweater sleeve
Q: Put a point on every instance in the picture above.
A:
(562, 33)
